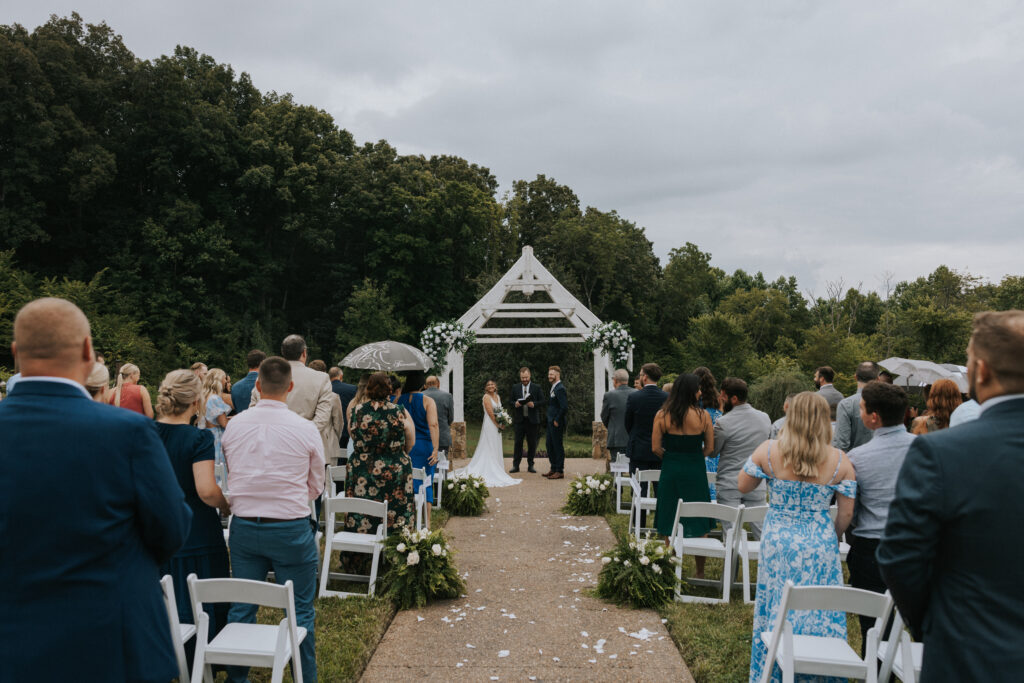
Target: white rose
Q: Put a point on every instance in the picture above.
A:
(644, 560)
(632, 545)
(604, 487)
(625, 563)
(436, 549)
(413, 558)
(656, 569)
(400, 547)
(462, 488)
(476, 484)
(586, 492)
(605, 560)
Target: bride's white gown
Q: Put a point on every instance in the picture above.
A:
(489, 461)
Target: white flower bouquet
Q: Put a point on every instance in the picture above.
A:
(612, 338)
(465, 496)
(441, 337)
(641, 574)
(502, 417)
(419, 568)
(590, 494)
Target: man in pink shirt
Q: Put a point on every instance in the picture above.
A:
(275, 462)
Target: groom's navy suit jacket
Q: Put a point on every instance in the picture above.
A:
(535, 394)
(89, 509)
(950, 553)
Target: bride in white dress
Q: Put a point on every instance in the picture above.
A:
(489, 460)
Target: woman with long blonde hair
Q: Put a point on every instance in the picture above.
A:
(128, 393)
(800, 542)
(213, 409)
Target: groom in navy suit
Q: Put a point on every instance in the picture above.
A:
(89, 509)
(558, 410)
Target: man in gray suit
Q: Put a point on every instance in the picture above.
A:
(613, 413)
(823, 377)
(850, 431)
(445, 412)
(740, 430)
(311, 397)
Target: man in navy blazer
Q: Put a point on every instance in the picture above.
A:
(89, 509)
(949, 553)
(346, 392)
(641, 407)
(241, 391)
(558, 410)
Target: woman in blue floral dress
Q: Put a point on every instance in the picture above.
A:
(800, 543)
(709, 401)
(214, 410)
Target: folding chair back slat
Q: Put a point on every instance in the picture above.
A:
(336, 475)
(359, 506)
(840, 599)
(239, 590)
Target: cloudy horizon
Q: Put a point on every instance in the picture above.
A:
(841, 141)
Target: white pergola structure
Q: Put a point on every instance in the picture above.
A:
(528, 276)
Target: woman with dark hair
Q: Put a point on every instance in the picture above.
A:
(709, 401)
(379, 468)
(683, 435)
(423, 412)
(943, 398)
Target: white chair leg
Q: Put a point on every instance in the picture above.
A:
(277, 673)
(200, 672)
(373, 571)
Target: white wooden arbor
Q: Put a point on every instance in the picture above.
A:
(528, 276)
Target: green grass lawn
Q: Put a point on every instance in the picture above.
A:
(575, 444)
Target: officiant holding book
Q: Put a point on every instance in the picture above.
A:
(525, 400)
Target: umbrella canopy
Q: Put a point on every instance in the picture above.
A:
(389, 356)
(915, 372)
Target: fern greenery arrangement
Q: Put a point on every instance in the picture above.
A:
(591, 494)
(638, 573)
(465, 496)
(419, 568)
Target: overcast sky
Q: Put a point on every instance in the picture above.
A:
(825, 140)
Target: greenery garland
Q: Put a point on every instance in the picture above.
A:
(591, 494)
(641, 574)
(464, 496)
(612, 338)
(439, 338)
(419, 569)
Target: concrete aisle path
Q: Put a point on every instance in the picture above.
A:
(525, 615)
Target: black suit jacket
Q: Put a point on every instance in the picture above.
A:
(641, 407)
(950, 553)
(535, 394)
(345, 392)
(558, 406)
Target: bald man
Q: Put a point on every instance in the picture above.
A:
(89, 509)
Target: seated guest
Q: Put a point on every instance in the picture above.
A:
(191, 451)
(943, 398)
(379, 468)
(80, 591)
(98, 382)
(241, 391)
(213, 409)
(683, 436)
(275, 468)
(877, 464)
(129, 393)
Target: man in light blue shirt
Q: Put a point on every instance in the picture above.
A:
(965, 412)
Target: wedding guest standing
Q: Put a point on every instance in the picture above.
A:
(525, 399)
(712, 403)
(445, 412)
(80, 596)
(613, 413)
(129, 393)
(311, 396)
(823, 377)
(241, 391)
(850, 430)
(641, 408)
(948, 553)
(358, 399)
(423, 412)
(191, 451)
(213, 410)
(943, 399)
(740, 430)
(346, 392)
(683, 436)
(200, 370)
(379, 467)
(98, 383)
(558, 411)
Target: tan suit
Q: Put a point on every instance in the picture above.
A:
(332, 438)
(309, 398)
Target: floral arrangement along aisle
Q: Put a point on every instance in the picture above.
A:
(641, 574)
(612, 338)
(441, 337)
(465, 496)
(591, 494)
(419, 568)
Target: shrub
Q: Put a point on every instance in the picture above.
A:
(592, 494)
(465, 496)
(640, 574)
(419, 568)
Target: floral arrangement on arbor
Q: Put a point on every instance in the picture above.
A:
(638, 573)
(465, 496)
(591, 494)
(419, 568)
(612, 338)
(441, 337)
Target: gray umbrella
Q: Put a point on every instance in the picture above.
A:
(912, 372)
(389, 356)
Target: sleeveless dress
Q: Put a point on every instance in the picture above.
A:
(798, 544)
(683, 477)
(378, 468)
(711, 464)
(489, 457)
(420, 453)
(131, 398)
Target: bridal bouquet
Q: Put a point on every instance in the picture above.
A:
(612, 338)
(502, 417)
(441, 337)
(419, 569)
(639, 573)
(465, 496)
(591, 494)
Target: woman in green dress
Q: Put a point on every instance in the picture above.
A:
(379, 468)
(683, 435)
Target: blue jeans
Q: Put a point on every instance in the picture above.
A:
(289, 548)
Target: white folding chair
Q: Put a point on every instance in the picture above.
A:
(748, 549)
(899, 655)
(351, 542)
(441, 476)
(642, 503)
(620, 471)
(821, 655)
(180, 633)
(336, 475)
(705, 546)
(420, 497)
(246, 644)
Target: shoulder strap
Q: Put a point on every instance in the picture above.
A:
(839, 461)
(771, 449)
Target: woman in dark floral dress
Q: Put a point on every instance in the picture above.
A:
(379, 468)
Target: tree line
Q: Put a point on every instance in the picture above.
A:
(194, 217)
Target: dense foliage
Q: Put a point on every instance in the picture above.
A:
(638, 573)
(590, 494)
(194, 217)
(465, 496)
(419, 568)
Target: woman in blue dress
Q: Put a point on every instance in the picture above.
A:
(214, 409)
(709, 401)
(800, 542)
(423, 411)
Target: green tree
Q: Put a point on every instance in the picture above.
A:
(370, 317)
